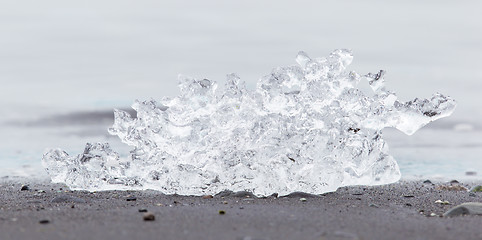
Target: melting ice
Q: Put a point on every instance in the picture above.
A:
(304, 128)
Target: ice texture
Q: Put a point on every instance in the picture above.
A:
(304, 128)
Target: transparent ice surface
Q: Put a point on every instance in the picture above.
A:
(304, 128)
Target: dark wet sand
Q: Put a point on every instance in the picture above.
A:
(396, 211)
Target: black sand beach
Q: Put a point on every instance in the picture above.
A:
(405, 210)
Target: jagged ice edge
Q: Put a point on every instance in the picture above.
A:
(287, 92)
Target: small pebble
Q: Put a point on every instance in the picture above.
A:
(24, 188)
(142, 210)
(433, 215)
(207, 196)
(131, 198)
(148, 216)
(225, 202)
(469, 208)
(442, 202)
(303, 199)
(454, 181)
(427, 181)
(373, 205)
(222, 212)
(44, 221)
(476, 189)
(451, 188)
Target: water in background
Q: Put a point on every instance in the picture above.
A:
(64, 66)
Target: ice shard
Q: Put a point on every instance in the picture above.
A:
(304, 128)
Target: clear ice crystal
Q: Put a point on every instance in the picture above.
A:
(304, 128)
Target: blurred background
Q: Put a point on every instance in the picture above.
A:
(64, 66)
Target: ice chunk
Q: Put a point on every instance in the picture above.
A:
(304, 128)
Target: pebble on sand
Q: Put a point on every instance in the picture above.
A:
(44, 221)
(469, 208)
(149, 216)
(476, 189)
(303, 199)
(222, 212)
(131, 198)
(427, 182)
(442, 202)
(24, 188)
(451, 188)
(207, 196)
